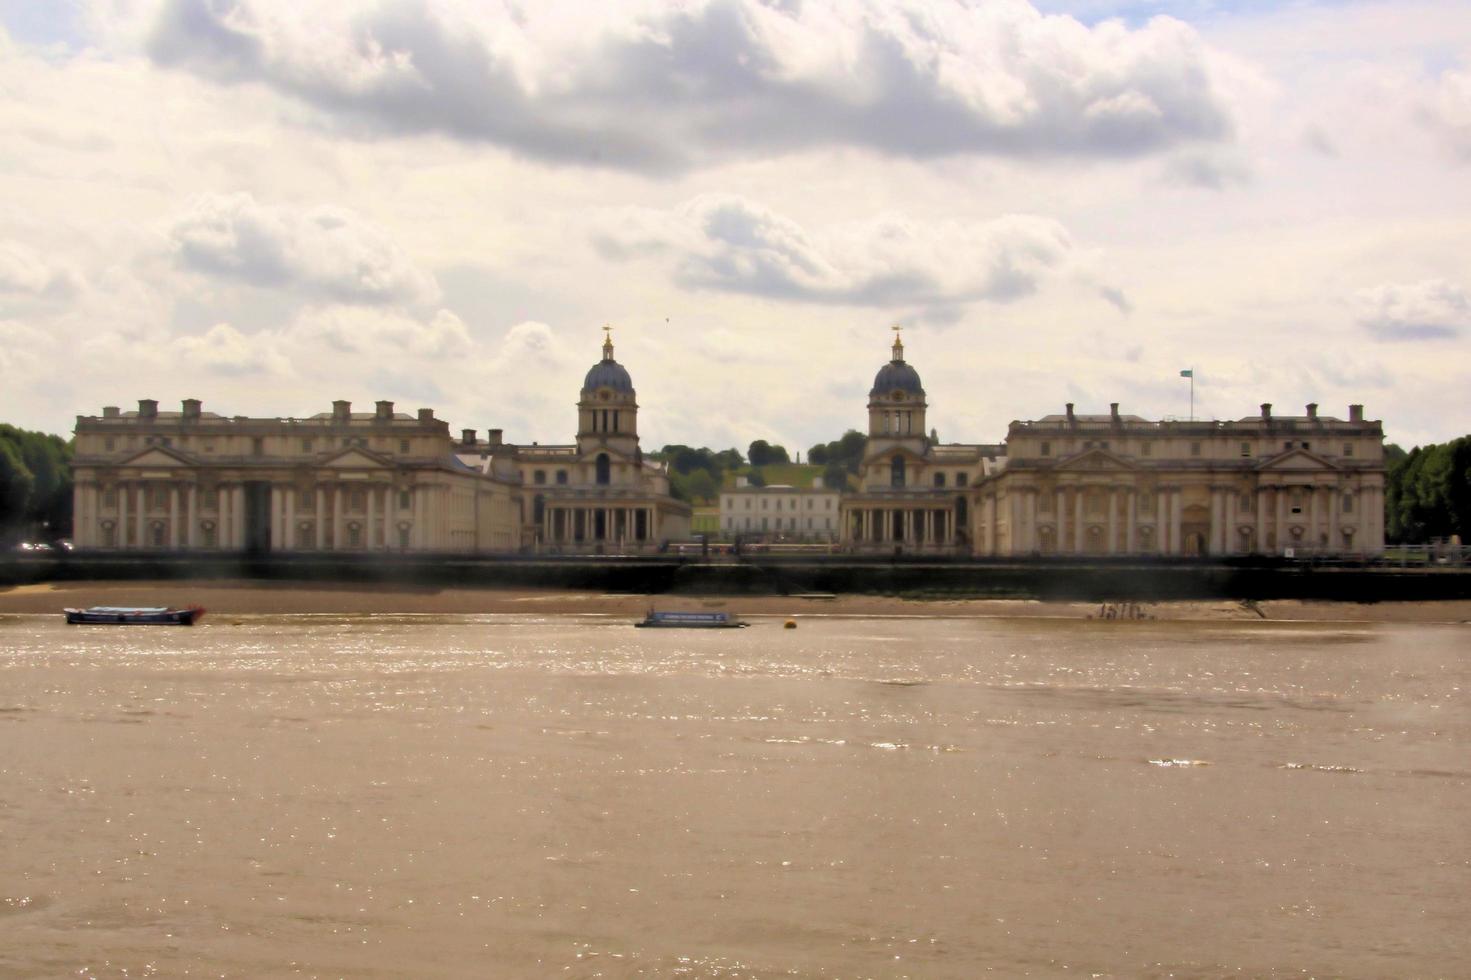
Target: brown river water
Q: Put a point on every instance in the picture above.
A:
(522, 796)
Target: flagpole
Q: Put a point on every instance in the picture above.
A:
(1192, 393)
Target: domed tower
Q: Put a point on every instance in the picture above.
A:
(607, 411)
(896, 403)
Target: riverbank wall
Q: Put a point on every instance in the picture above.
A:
(1097, 580)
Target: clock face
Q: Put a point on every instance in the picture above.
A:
(605, 394)
(898, 395)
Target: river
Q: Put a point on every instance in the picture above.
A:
(523, 796)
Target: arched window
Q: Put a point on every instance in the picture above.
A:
(939, 479)
(604, 470)
(538, 509)
(896, 471)
(539, 477)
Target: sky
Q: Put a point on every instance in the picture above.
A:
(269, 205)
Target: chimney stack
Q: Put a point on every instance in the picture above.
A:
(1113, 412)
(1313, 411)
(191, 409)
(111, 412)
(147, 408)
(1071, 419)
(426, 415)
(1356, 413)
(467, 436)
(1266, 411)
(384, 410)
(493, 437)
(341, 411)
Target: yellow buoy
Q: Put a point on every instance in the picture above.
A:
(790, 624)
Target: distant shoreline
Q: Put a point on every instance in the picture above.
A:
(243, 597)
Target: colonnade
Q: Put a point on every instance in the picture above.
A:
(909, 526)
(585, 523)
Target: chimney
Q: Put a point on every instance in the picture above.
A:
(817, 483)
(467, 436)
(191, 409)
(742, 481)
(341, 411)
(111, 412)
(1266, 411)
(1313, 411)
(1071, 419)
(1356, 413)
(147, 408)
(1113, 412)
(493, 436)
(384, 410)
(426, 415)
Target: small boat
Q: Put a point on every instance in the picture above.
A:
(135, 615)
(690, 620)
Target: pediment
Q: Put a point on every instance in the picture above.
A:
(1090, 460)
(155, 456)
(1300, 460)
(354, 459)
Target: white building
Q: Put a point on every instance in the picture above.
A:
(780, 512)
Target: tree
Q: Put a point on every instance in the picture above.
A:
(847, 451)
(763, 453)
(1428, 493)
(702, 485)
(835, 476)
(16, 482)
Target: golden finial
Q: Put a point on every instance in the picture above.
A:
(898, 329)
(607, 342)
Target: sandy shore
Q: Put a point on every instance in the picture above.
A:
(246, 598)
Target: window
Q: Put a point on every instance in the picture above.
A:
(1195, 449)
(1146, 449)
(1348, 449)
(1146, 503)
(108, 443)
(306, 445)
(961, 479)
(1348, 503)
(1287, 446)
(539, 477)
(258, 447)
(603, 470)
(307, 499)
(403, 500)
(561, 478)
(211, 499)
(159, 498)
(939, 479)
(1295, 498)
(109, 497)
(763, 523)
(1246, 449)
(829, 503)
(764, 503)
(1046, 449)
(1307, 445)
(359, 500)
(809, 503)
(896, 471)
(354, 536)
(1244, 504)
(403, 445)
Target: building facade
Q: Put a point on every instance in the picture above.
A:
(914, 493)
(335, 482)
(780, 512)
(1123, 485)
(598, 494)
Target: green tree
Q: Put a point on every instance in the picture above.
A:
(762, 453)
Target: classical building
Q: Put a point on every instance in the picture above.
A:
(780, 512)
(1120, 484)
(598, 494)
(914, 493)
(378, 481)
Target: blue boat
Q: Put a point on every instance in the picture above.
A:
(690, 620)
(134, 615)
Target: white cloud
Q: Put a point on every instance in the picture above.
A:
(223, 350)
(645, 85)
(24, 272)
(730, 244)
(377, 334)
(327, 251)
(1448, 112)
(1432, 309)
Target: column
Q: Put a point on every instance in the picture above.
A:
(1059, 514)
(288, 528)
(237, 504)
(191, 537)
(275, 518)
(173, 538)
(372, 514)
(122, 514)
(1078, 520)
(1335, 500)
(319, 498)
(1176, 545)
(1131, 522)
(1032, 540)
(142, 515)
(337, 518)
(1110, 527)
(1312, 535)
(1281, 518)
(1261, 520)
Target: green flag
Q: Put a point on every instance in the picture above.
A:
(1188, 373)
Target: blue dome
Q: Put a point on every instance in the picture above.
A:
(608, 373)
(896, 376)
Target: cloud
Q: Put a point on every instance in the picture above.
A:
(326, 251)
(24, 272)
(1429, 310)
(1209, 170)
(224, 351)
(729, 244)
(1448, 113)
(378, 334)
(649, 86)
